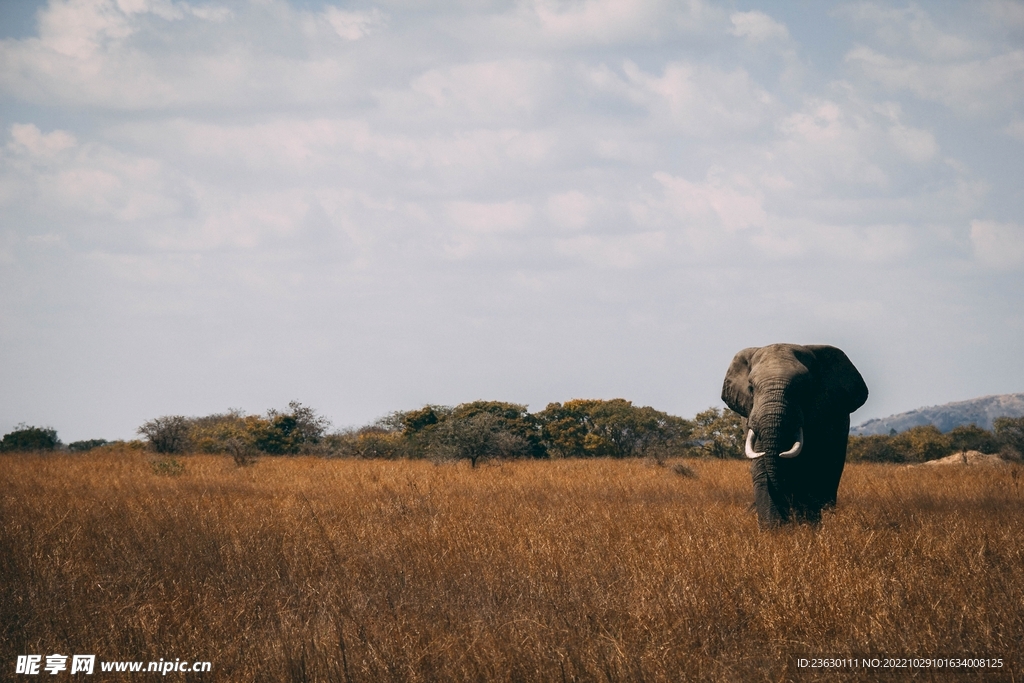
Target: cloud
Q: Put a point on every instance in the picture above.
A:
(31, 139)
(493, 91)
(757, 27)
(998, 245)
(571, 210)
(826, 142)
(969, 73)
(973, 87)
(619, 252)
(916, 144)
(153, 55)
(63, 180)
(604, 22)
(912, 28)
(711, 204)
(1015, 129)
(353, 25)
(697, 99)
(490, 218)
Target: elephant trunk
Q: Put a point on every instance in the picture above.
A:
(774, 423)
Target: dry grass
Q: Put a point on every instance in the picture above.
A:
(305, 569)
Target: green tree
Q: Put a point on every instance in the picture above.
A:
(511, 419)
(1010, 432)
(719, 433)
(972, 438)
(286, 433)
(86, 445)
(922, 443)
(475, 436)
(25, 438)
(872, 448)
(168, 434)
(586, 428)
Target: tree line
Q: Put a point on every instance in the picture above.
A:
(490, 430)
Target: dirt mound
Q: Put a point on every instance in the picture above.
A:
(968, 458)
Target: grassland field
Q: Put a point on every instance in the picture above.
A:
(306, 569)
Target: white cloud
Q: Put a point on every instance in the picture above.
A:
(30, 138)
(1015, 129)
(916, 144)
(712, 204)
(975, 86)
(353, 25)
(827, 142)
(912, 27)
(613, 21)
(571, 210)
(615, 251)
(757, 27)
(998, 245)
(490, 217)
(495, 90)
(698, 99)
(62, 180)
(97, 53)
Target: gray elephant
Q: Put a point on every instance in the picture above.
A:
(797, 401)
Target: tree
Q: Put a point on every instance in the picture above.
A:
(1010, 432)
(872, 448)
(719, 434)
(86, 445)
(476, 436)
(168, 434)
(922, 443)
(512, 419)
(972, 438)
(25, 438)
(584, 428)
(290, 432)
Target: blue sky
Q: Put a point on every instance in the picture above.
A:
(371, 206)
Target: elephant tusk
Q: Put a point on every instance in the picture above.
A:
(797, 447)
(749, 448)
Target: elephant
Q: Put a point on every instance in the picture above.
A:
(797, 401)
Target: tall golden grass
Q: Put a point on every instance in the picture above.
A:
(302, 569)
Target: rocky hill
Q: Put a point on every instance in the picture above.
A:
(979, 411)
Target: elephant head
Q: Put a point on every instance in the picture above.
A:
(797, 401)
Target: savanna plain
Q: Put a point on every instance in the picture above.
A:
(312, 569)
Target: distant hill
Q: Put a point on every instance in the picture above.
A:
(979, 411)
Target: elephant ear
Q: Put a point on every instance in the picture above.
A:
(736, 390)
(842, 387)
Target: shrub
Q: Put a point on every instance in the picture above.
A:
(25, 438)
(616, 428)
(512, 420)
(1010, 433)
(167, 467)
(223, 432)
(873, 448)
(923, 443)
(719, 434)
(478, 436)
(168, 434)
(296, 431)
(367, 442)
(87, 445)
(972, 438)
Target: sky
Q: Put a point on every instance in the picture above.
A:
(368, 207)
